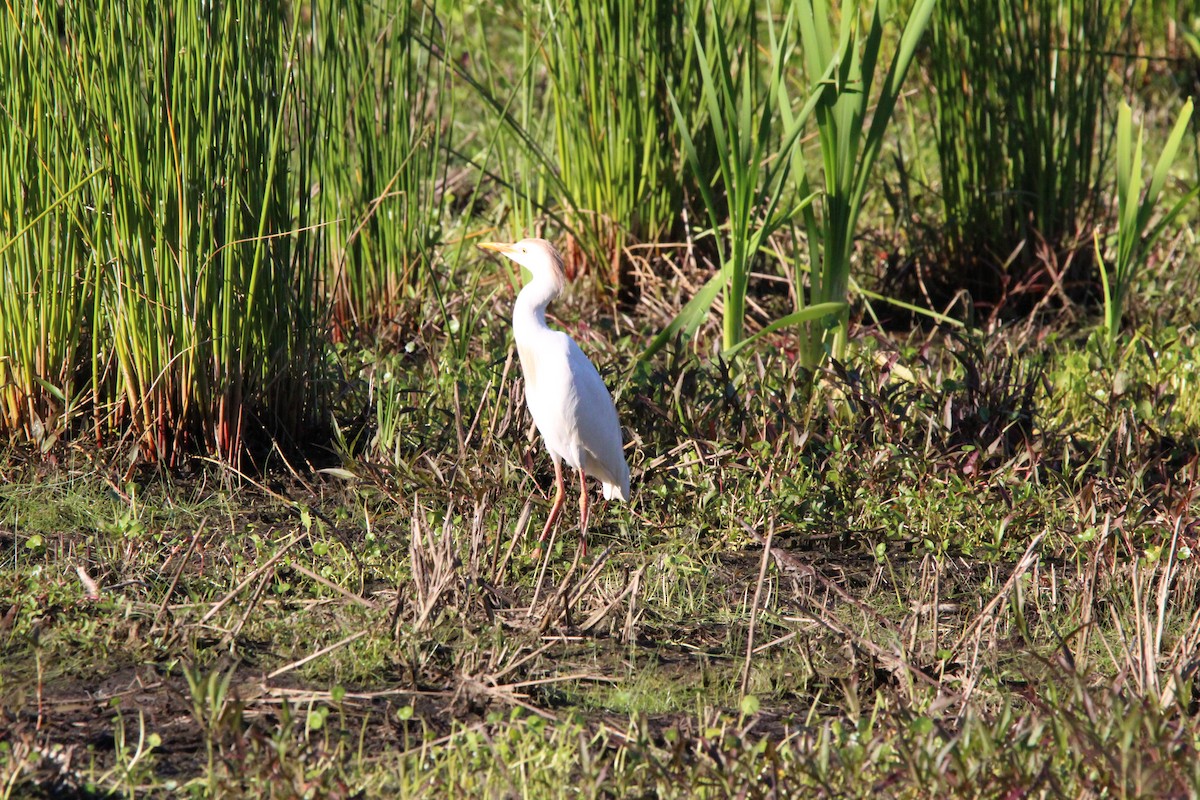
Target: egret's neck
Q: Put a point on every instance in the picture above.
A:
(529, 312)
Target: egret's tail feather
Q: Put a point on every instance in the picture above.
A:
(621, 492)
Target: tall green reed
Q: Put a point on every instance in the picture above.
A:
(382, 110)
(584, 133)
(506, 90)
(608, 64)
(850, 145)
(51, 207)
(1135, 236)
(175, 255)
(201, 305)
(1019, 111)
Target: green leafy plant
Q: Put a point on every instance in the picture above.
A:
(753, 132)
(133, 769)
(843, 71)
(215, 709)
(1135, 210)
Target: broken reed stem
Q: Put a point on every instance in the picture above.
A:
(346, 593)
(162, 609)
(212, 612)
(1023, 565)
(254, 598)
(295, 664)
(562, 594)
(537, 590)
(522, 526)
(762, 575)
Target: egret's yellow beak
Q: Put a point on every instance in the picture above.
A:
(508, 251)
(503, 248)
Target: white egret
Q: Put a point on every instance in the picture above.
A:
(569, 402)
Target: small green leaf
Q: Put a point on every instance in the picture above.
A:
(316, 719)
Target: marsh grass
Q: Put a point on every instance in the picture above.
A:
(513, 152)
(50, 180)
(936, 548)
(584, 134)
(380, 106)
(964, 567)
(188, 307)
(1021, 126)
(209, 318)
(755, 132)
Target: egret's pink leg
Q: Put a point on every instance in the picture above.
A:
(559, 495)
(583, 512)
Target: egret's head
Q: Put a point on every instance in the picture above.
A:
(536, 255)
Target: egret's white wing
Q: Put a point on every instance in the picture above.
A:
(573, 410)
(598, 429)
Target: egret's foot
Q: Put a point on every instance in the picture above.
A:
(536, 555)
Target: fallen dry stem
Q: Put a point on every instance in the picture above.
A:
(1023, 564)
(249, 607)
(162, 608)
(346, 593)
(519, 531)
(630, 589)
(762, 575)
(253, 576)
(324, 650)
(889, 659)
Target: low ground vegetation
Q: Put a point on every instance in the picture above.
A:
(268, 481)
(961, 568)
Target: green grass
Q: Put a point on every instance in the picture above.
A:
(374, 634)
(1024, 135)
(948, 562)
